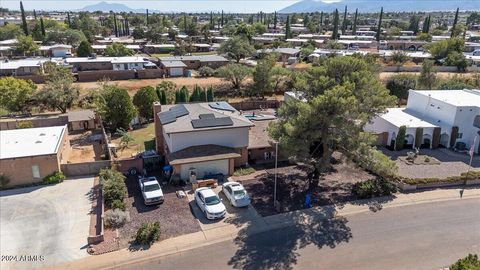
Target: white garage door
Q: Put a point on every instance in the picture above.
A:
(175, 72)
(202, 168)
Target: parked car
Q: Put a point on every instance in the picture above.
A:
(209, 202)
(236, 194)
(151, 190)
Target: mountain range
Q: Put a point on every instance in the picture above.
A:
(376, 5)
(115, 7)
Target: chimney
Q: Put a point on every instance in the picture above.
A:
(159, 141)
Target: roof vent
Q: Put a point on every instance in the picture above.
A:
(38, 142)
(42, 134)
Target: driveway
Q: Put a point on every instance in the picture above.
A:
(51, 221)
(234, 216)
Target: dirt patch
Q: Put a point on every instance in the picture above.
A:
(174, 214)
(85, 147)
(334, 187)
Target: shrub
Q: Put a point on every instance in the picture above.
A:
(113, 186)
(148, 233)
(470, 262)
(243, 171)
(25, 124)
(400, 140)
(373, 188)
(118, 204)
(206, 71)
(4, 180)
(54, 178)
(115, 218)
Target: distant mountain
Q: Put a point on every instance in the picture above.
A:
(115, 7)
(388, 5)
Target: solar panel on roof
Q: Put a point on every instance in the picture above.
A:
(221, 106)
(206, 116)
(212, 122)
(172, 114)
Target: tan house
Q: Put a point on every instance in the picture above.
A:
(28, 155)
(201, 138)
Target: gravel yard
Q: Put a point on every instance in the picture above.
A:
(334, 187)
(174, 214)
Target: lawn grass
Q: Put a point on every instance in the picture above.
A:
(243, 171)
(143, 139)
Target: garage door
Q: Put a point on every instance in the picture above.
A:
(175, 72)
(202, 168)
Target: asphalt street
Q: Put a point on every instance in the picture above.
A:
(422, 236)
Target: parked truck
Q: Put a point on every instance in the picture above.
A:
(151, 190)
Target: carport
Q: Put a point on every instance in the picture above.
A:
(52, 221)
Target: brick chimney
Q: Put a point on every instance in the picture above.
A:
(159, 141)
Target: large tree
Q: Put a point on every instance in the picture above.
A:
(15, 93)
(400, 84)
(237, 48)
(428, 76)
(234, 73)
(26, 45)
(115, 106)
(59, 92)
(143, 100)
(84, 49)
(262, 75)
(118, 49)
(24, 19)
(340, 97)
(335, 25)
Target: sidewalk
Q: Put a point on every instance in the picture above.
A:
(262, 224)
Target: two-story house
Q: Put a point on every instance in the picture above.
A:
(201, 138)
(448, 118)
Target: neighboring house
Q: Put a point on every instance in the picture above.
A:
(201, 138)
(410, 45)
(173, 68)
(109, 63)
(57, 50)
(158, 48)
(28, 155)
(284, 53)
(81, 120)
(76, 120)
(197, 61)
(446, 118)
(202, 47)
(263, 40)
(415, 56)
(24, 67)
(297, 41)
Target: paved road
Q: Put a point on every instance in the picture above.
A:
(51, 221)
(423, 236)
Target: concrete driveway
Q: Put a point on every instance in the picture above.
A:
(235, 216)
(51, 222)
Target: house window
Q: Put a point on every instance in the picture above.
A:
(476, 121)
(35, 171)
(460, 135)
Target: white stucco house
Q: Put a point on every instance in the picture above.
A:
(201, 138)
(446, 118)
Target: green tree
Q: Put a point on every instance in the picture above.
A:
(355, 21)
(10, 31)
(143, 100)
(400, 140)
(118, 49)
(341, 96)
(399, 58)
(42, 27)
(457, 59)
(455, 22)
(125, 137)
(26, 45)
(414, 24)
(442, 49)
(262, 75)
(181, 95)
(344, 22)
(379, 29)
(335, 25)
(59, 92)
(428, 75)
(24, 19)
(84, 49)
(237, 48)
(115, 106)
(424, 37)
(288, 29)
(168, 88)
(65, 36)
(15, 93)
(234, 73)
(210, 94)
(471, 262)
(400, 84)
(279, 77)
(275, 20)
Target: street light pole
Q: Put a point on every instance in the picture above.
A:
(275, 186)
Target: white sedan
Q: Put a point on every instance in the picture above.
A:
(236, 194)
(209, 203)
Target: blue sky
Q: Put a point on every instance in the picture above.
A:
(176, 6)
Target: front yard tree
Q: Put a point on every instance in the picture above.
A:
(341, 96)
(15, 93)
(428, 75)
(400, 84)
(117, 49)
(115, 106)
(262, 75)
(84, 49)
(234, 73)
(237, 48)
(26, 45)
(143, 101)
(59, 92)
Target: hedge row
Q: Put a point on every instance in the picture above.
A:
(474, 175)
